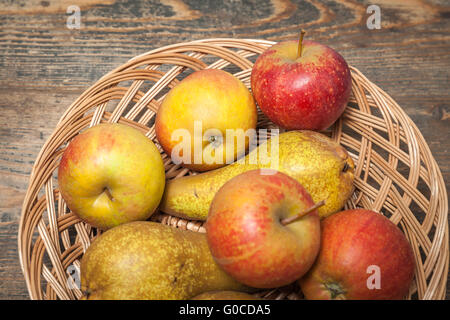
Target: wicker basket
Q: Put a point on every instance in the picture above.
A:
(395, 171)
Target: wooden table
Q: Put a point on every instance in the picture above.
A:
(45, 66)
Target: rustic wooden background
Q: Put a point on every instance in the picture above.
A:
(45, 66)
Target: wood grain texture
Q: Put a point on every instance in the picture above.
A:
(45, 66)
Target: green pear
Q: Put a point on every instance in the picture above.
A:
(225, 295)
(150, 261)
(320, 164)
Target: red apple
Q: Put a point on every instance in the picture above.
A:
(252, 234)
(363, 256)
(301, 91)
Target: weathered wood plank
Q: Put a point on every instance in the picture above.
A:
(12, 283)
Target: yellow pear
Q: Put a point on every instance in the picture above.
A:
(151, 261)
(320, 164)
(225, 295)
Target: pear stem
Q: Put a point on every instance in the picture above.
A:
(291, 219)
(300, 44)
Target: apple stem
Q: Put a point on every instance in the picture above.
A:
(346, 167)
(300, 42)
(291, 219)
(108, 193)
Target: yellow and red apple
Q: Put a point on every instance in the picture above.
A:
(193, 119)
(363, 256)
(305, 88)
(111, 174)
(263, 230)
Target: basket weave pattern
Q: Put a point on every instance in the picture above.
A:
(395, 171)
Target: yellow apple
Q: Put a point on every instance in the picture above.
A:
(207, 120)
(111, 174)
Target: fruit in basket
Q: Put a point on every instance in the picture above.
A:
(252, 233)
(225, 295)
(146, 260)
(363, 256)
(320, 164)
(192, 121)
(111, 174)
(301, 85)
